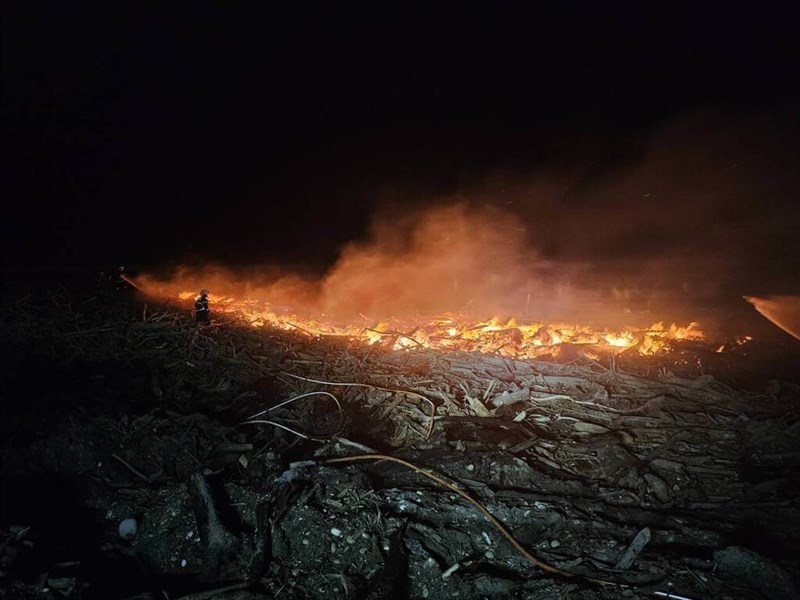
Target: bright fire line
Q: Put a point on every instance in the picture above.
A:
(506, 337)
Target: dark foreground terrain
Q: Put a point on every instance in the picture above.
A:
(129, 471)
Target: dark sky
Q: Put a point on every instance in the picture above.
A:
(149, 133)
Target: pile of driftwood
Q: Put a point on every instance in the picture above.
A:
(230, 462)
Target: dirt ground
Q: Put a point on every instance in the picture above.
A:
(133, 466)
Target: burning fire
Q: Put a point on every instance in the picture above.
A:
(506, 337)
(446, 258)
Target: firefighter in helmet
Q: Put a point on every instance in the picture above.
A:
(121, 280)
(202, 313)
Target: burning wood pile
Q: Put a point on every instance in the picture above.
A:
(448, 332)
(256, 462)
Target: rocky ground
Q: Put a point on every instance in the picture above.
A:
(134, 467)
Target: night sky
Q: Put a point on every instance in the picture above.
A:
(149, 134)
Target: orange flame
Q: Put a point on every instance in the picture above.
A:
(458, 332)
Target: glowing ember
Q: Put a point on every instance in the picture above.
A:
(456, 332)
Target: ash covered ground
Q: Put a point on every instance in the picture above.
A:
(128, 470)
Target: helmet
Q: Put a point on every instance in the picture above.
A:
(204, 292)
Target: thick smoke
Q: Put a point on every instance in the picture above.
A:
(681, 223)
(707, 202)
(450, 257)
(447, 258)
(699, 214)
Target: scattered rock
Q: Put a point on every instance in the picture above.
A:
(128, 529)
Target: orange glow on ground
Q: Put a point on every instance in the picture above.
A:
(452, 331)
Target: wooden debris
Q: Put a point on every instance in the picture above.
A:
(574, 453)
(634, 549)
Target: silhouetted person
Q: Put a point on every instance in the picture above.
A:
(121, 280)
(115, 284)
(202, 313)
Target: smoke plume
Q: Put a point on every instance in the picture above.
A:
(693, 217)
